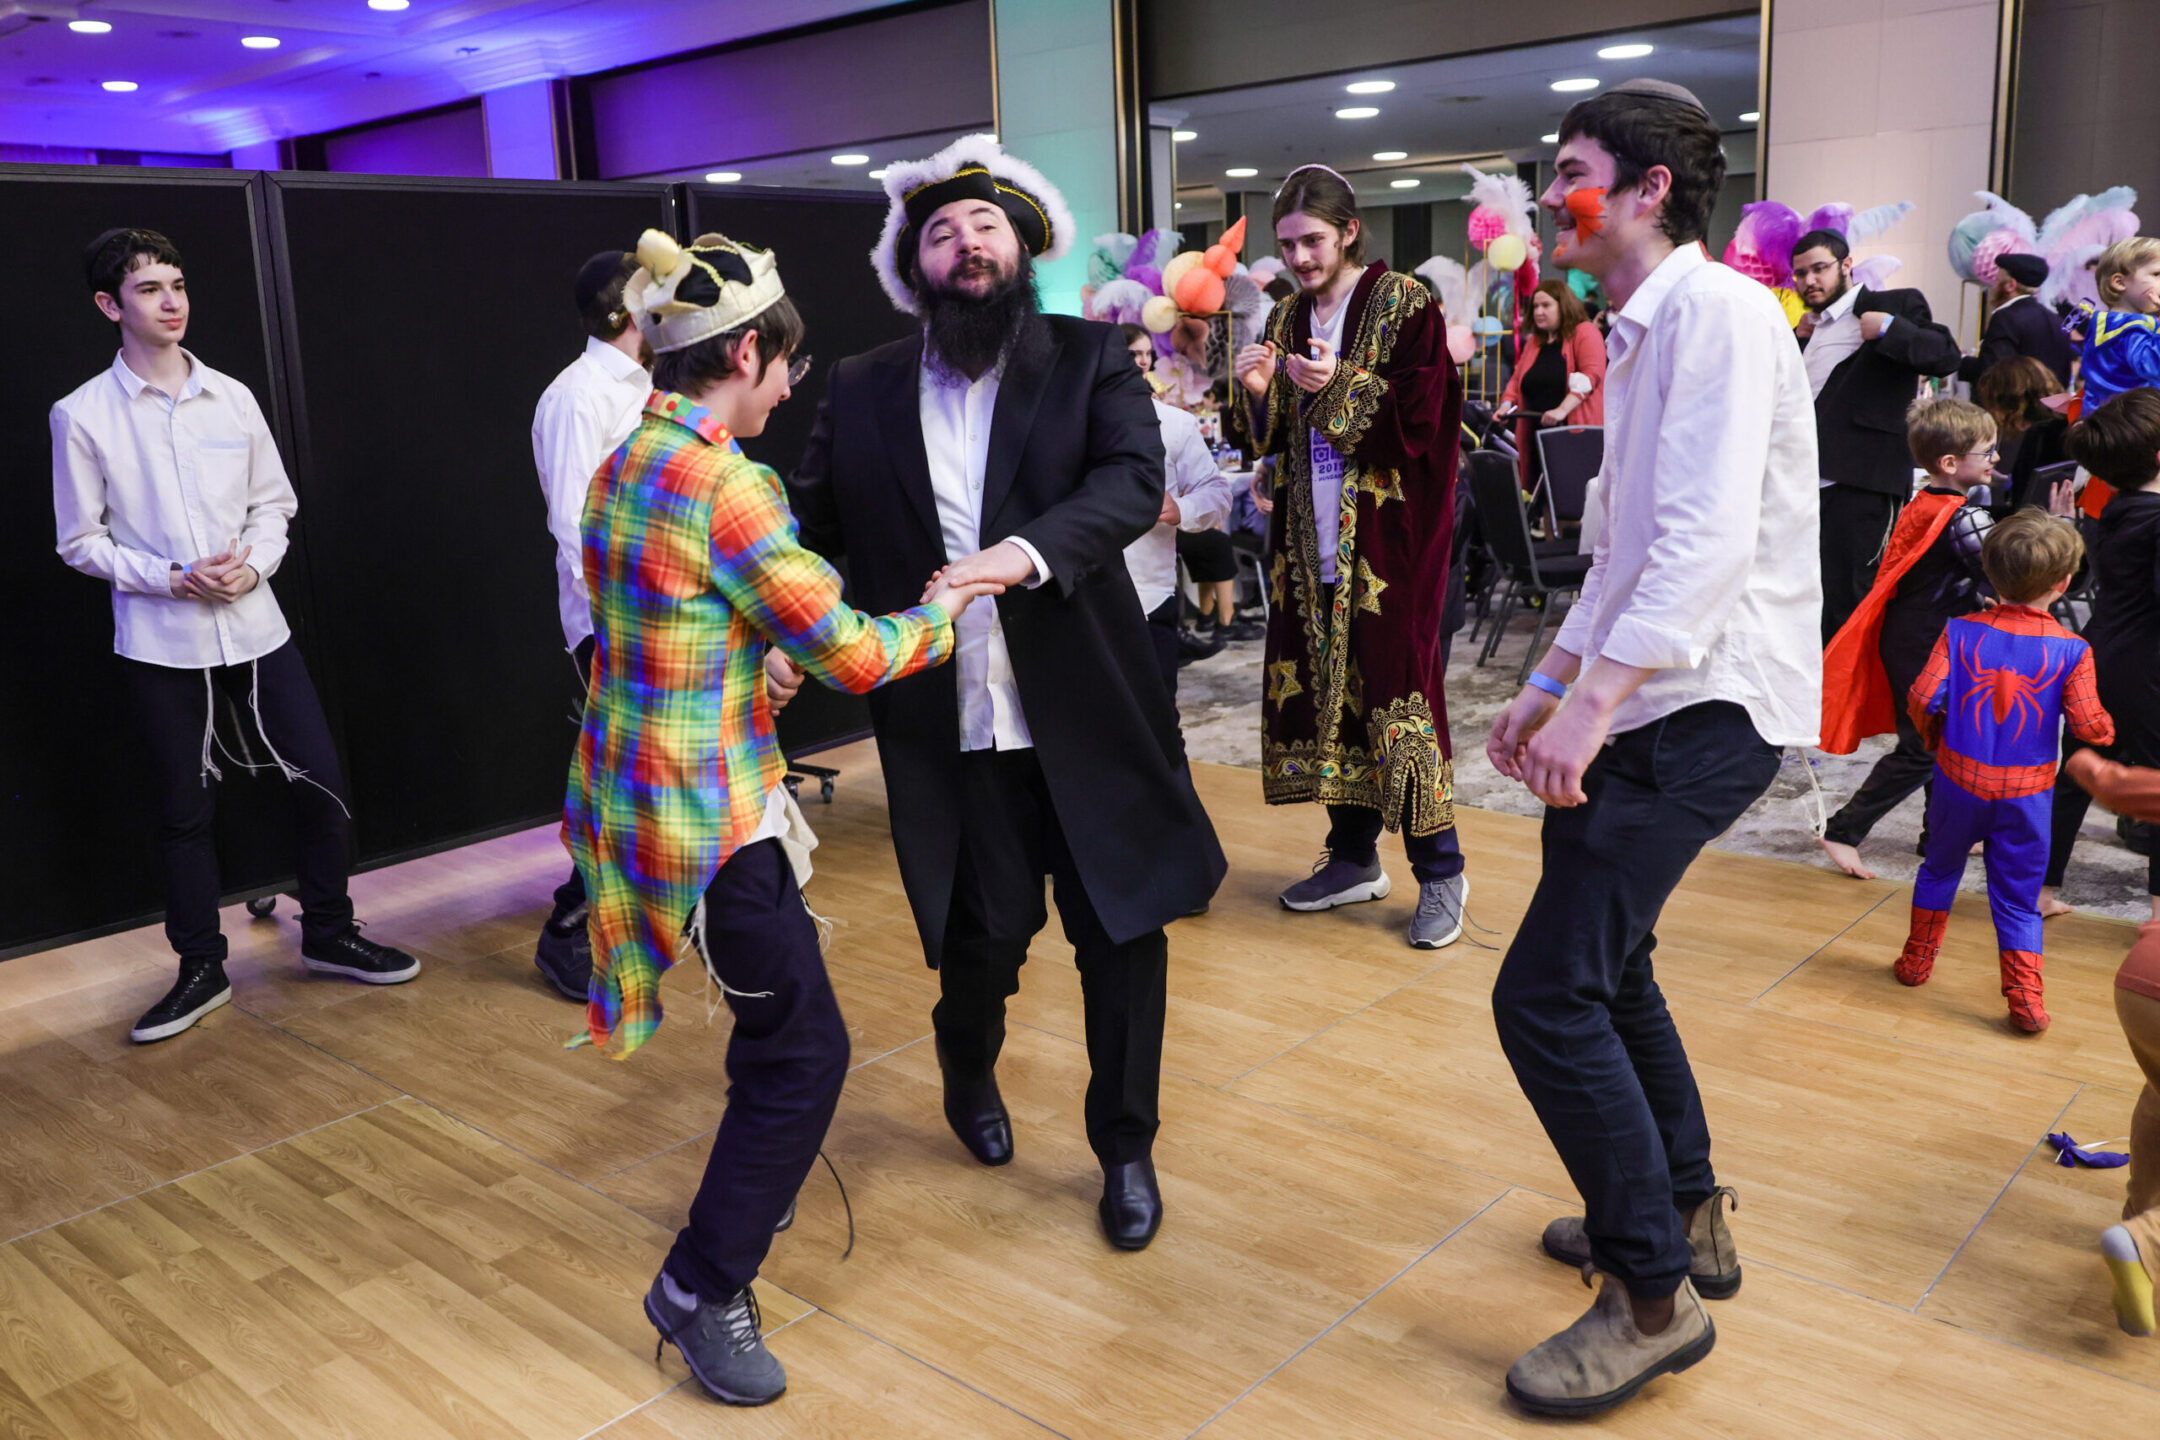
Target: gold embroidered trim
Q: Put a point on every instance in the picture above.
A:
(1416, 781)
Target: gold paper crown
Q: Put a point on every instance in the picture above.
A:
(683, 295)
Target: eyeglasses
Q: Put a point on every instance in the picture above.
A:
(1992, 452)
(797, 369)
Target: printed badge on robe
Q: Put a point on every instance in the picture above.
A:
(1327, 468)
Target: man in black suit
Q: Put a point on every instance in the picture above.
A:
(1005, 442)
(1866, 351)
(2020, 325)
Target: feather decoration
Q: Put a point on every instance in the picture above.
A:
(1451, 283)
(1506, 196)
(1119, 301)
(1874, 220)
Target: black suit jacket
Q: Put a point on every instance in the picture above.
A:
(1860, 414)
(1075, 469)
(2022, 327)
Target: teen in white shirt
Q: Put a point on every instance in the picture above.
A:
(1692, 656)
(167, 486)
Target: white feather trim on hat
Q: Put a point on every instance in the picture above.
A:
(906, 176)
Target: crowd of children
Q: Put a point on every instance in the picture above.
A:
(1960, 649)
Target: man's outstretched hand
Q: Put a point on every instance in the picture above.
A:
(1003, 565)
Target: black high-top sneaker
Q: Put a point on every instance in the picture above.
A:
(201, 988)
(356, 957)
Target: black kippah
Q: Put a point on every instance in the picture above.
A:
(596, 274)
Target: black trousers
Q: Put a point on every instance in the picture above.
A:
(1163, 630)
(1354, 835)
(1208, 555)
(1578, 1009)
(1012, 839)
(1906, 768)
(172, 708)
(1856, 526)
(571, 893)
(2071, 801)
(786, 1062)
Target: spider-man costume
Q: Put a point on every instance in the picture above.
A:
(1990, 704)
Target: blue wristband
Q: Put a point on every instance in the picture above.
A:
(1549, 685)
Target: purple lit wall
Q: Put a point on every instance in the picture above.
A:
(923, 71)
(444, 142)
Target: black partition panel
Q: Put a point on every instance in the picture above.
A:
(422, 322)
(77, 832)
(822, 243)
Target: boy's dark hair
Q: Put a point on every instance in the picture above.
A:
(1640, 131)
(2029, 553)
(599, 295)
(1135, 333)
(1320, 194)
(2118, 441)
(116, 254)
(692, 368)
(1942, 425)
(1823, 240)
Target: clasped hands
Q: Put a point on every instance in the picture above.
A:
(222, 578)
(1256, 367)
(954, 587)
(1547, 744)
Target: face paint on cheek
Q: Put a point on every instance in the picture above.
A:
(1588, 208)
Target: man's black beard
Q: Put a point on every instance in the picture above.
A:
(1832, 298)
(969, 333)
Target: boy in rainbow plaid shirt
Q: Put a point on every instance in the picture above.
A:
(676, 812)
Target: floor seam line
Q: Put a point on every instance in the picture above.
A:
(1331, 1326)
(934, 1369)
(651, 1400)
(1807, 959)
(2020, 1170)
(1417, 979)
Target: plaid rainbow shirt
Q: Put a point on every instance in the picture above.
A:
(693, 563)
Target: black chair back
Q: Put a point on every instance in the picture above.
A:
(1502, 519)
(1571, 457)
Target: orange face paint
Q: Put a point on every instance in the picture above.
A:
(1588, 208)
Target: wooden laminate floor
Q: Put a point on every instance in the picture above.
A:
(408, 1214)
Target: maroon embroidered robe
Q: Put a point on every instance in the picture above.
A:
(1354, 711)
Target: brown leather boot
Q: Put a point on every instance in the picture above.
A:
(1922, 943)
(1602, 1359)
(1713, 1261)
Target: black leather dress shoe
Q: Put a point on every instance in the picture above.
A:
(1131, 1207)
(977, 1115)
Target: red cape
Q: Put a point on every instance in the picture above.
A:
(1856, 701)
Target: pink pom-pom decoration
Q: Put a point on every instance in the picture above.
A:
(1991, 248)
(1486, 225)
(1761, 248)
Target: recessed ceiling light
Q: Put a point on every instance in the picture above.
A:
(388, 4)
(1356, 112)
(1241, 172)
(1391, 155)
(1177, 205)
(850, 159)
(1181, 136)
(260, 42)
(1409, 184)
(877, 174)
(723, 177)
(90, 27)
(1552, 139)
(1624, 52)
(1749, 117)
(1370, 87)
(1584, 83)
(119, 87)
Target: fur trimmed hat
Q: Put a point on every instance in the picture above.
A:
(684, 294)
(974, 167)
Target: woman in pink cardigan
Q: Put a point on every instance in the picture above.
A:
(1560, 377)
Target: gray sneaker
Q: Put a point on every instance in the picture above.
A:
(1337, 882)
(1439, 915)
(1713, 1263)
(720, 1343)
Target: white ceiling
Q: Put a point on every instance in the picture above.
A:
(1442, 112)
(338, 62)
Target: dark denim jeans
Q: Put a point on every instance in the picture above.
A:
(1579, 1012)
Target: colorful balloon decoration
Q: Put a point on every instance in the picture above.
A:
(1172, 294)
(1507, 251)
(1158, 313)
(2067, 240)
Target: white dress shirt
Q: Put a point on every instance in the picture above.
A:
(584, 416)
(1836, 338)
(1203, 495)
(144, 481)
(1706, 569)
(956, 415)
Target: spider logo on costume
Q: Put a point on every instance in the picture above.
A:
(2009, 691)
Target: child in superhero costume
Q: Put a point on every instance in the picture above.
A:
(2122, 336)
(1930, 574)
(1990, 704)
